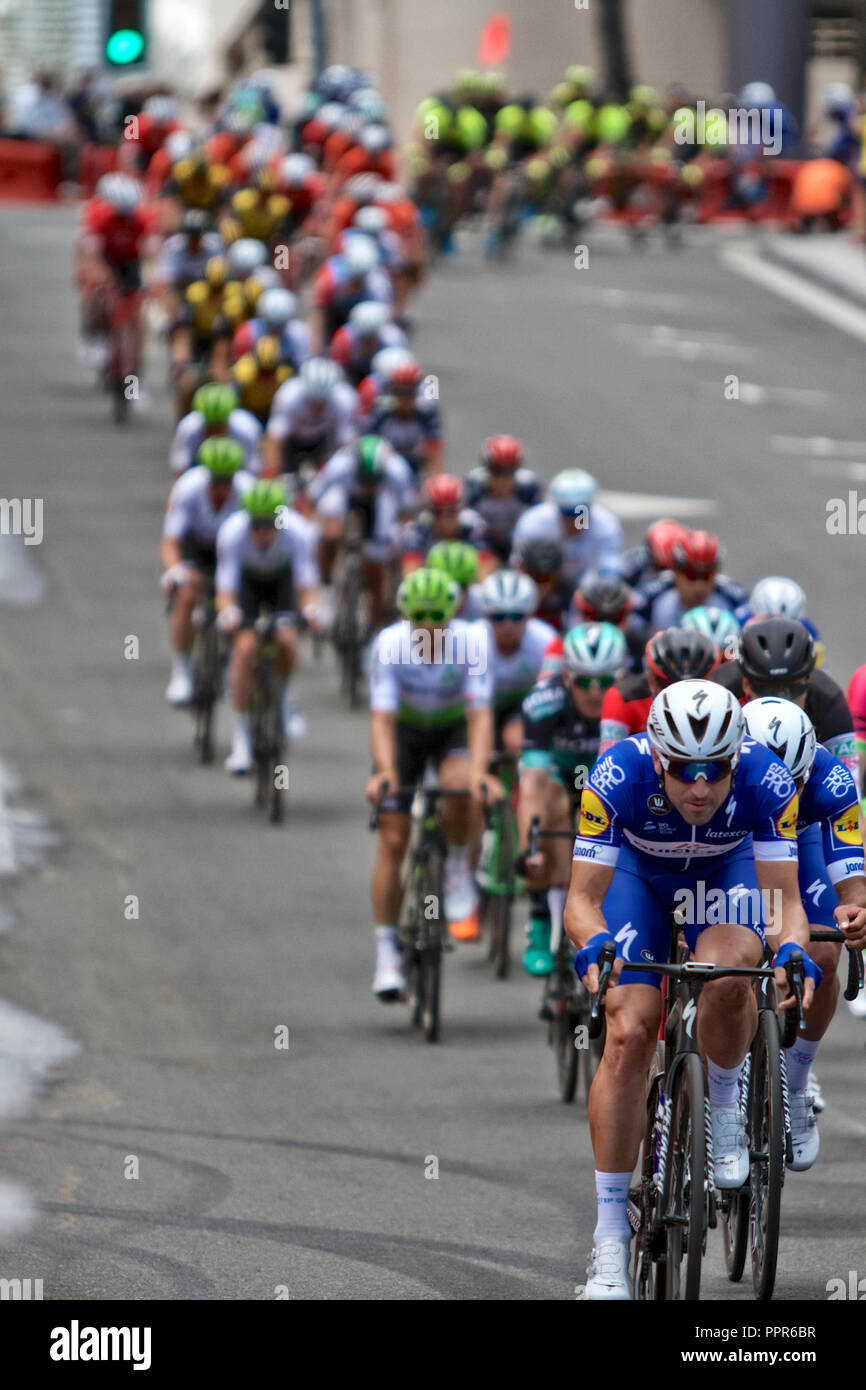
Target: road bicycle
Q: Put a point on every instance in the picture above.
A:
(269, 737)
(497, 876)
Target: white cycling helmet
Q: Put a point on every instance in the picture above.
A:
(386, 359)
(786, 730)
(507, 591)
(331, 114)
(369, 317)
(121, 191)
(319, 376)
(594, 649)
(246, 255)
(573, 488)
(179, 145)
(371, 220)
(266, 277)
(837, 99)
(777, 597)
(363, 188)
(276, 307)
(757, 94)
(375, 138)
(695, 719)
(295, 168)
(361, 256)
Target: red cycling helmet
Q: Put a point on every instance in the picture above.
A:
(444, 491)
(405, 376)
(697, 555)
(502, 453)
(661, 538)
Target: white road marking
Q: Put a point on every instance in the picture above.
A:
(751, 393)
(837, 468)
(818, 445)
(796, 290)
(646, 506)
(695, 350)
(635, 299)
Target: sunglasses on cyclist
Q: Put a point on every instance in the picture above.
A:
(783, 692)
(260, 523)
(450, 510)
(690, 572)
(507, 617)
(594, 682)
(437, 615)
(710, 769)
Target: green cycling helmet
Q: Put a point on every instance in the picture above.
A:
(428, 595)
(717, 623)
(581, 78)
(457, 559)
(594, 649)
(264, 500)
(221, 457)
(215, 402)
(371, 452)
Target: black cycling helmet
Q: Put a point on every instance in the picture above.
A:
(680, 654)
(776, 653)
(541, 558)
(195, 222)
(604, 599)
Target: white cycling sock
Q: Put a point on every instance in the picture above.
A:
(798, 1062)
(724, 1082)
(611, 1191)
(180, 663)
(556, 906)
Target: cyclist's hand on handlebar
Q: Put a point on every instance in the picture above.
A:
(380, 784)
(533, 870)
(590, 979)
(174, 576)
(586, 966)
(485, 788)
(852, 921)
(229, 619)
(812, 974)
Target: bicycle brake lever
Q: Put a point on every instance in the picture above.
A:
(605, 961)
(855, 974)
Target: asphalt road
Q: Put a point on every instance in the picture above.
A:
(261, 1169)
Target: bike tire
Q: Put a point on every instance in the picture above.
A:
(565, 1052)
(684, 1206)
(767, 1153)
(649, 1258)
(499, 914)
(735, 1233)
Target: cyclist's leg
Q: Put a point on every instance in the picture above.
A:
(385, 885)
(201, 561)
(819, 899)
(241, 676)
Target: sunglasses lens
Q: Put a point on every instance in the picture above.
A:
(508, 617)
(600, 682)
(690, 771)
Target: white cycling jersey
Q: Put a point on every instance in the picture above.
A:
(429, 680)
(294, 543)
(294, 416)
(191, 433)
(179, 266)
(190, 512)
(341, 469)
(596, 546)
(515, 675)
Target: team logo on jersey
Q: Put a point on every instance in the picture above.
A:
(594, 819)
(847, 827)
(787, 821)
(658, 804)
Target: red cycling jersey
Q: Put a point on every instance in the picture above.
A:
(122, 239)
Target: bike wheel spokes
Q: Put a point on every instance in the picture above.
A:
(767, 1154)
(686, 1194)
(649, 1247)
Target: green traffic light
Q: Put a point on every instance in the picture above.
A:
(124, 46)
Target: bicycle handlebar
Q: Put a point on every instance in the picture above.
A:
(432, 793)
(855, 960)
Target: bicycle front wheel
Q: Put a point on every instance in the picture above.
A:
(686, 1185)
(766, 1153)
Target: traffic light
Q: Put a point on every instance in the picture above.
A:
(125, 33)
(276, 22)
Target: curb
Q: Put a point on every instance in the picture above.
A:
(835, 285)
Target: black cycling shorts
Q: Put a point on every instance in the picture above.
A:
(415, 749)
(203, 556)
(276, 593)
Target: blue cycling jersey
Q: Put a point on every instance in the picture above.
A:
(830, 800)
(623, 805)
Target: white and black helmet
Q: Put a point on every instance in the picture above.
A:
(777, 597)
(696, 719)
(246, 255)
(594, 649)
(276, 306)
(361, 255)
(508, 591)
(121, 191)
(319, 376)
(369, 317)
(786, 730)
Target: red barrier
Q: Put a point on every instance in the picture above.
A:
(29, 170)
(93, 162)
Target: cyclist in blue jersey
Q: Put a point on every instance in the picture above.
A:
(690, 816)
(832, 884)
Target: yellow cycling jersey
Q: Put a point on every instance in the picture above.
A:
(260, 218)
(256, 387)
(209, 304)
(197, 187)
